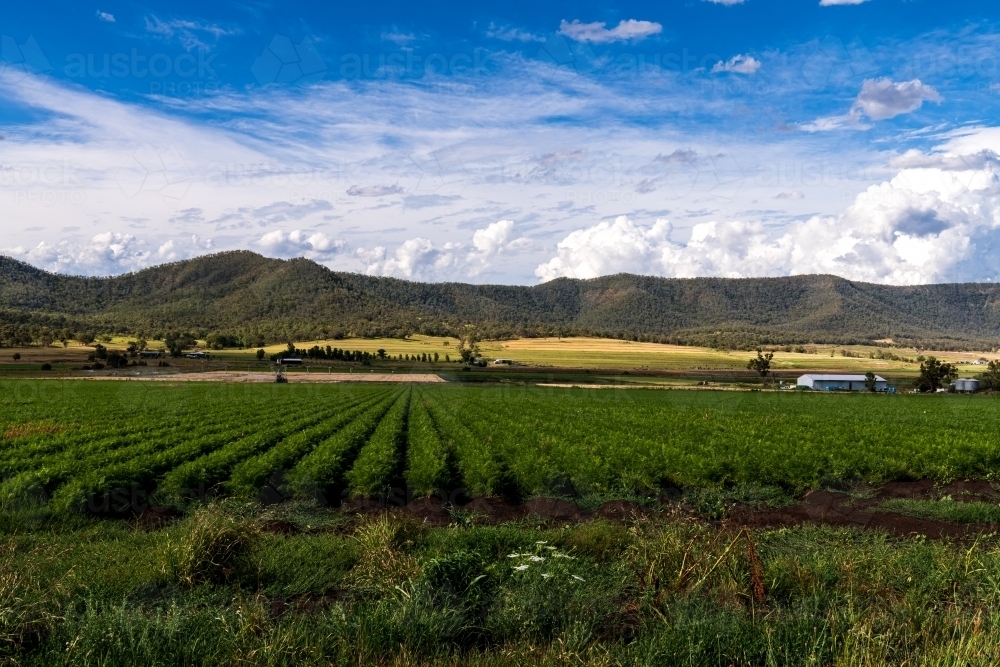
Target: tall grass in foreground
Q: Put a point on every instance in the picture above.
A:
(218, 588)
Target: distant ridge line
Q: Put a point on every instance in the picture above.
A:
(259, 300)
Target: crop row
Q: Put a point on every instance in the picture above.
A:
(362, 440)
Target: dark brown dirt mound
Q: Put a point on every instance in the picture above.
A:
(365, 506)
(154, 518)
(308, 603)
(621, 510)
(920, 489)
(971, 490)
(493, 510)
(279, 527)
(431, 511)
(553, 509)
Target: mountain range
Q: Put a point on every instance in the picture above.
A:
(251, 299)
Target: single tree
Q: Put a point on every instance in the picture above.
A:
(260, 354)
(990, 379)
(935, 374)
(870, 381)
(381, 353)
(17, 356)
(762, 364)
(435, 357)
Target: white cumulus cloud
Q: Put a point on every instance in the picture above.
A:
(925, 225)
(879, 99)
(297, 243)
(834, 3)
(739, 64)
(727, 3)
(492, 241)
(598, 33)
(416, 259)
(421, 259)
(104, 254)
(106, 17)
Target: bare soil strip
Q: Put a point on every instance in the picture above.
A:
(834, 508)
(263, 378)
(822, 507)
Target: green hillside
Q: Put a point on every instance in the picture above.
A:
(257, 300)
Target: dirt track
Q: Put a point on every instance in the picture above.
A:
(263, 378)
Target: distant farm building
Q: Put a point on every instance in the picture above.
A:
(150, 354)
(503, 362)
(970, 385)
(290, 361)
(840, 382)
(197, 355)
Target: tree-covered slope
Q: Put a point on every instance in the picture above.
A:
(257, 298)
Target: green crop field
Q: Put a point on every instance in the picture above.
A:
(212, 576)
(75, 443)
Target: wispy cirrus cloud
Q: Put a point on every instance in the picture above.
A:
(512, 34)
(375, 190)
(411, 167)
(191, 34)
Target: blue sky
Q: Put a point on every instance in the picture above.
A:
(508, 143)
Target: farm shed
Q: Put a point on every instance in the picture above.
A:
(840, 382)
(290, 361)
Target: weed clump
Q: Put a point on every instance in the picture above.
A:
(213, 547)
(384, 562)
(28, 610)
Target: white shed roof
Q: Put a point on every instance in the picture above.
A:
(838, 378)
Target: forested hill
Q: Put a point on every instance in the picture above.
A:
(256, 299)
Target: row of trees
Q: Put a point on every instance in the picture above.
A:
(329, 353)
